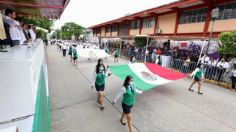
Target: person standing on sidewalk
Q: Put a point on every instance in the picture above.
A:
(128, 91)
(98, 81)
(198, 77)
(233, 77)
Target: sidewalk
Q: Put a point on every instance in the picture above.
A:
(167, 108)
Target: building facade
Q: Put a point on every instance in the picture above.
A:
(182, 18)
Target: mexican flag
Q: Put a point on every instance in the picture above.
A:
(146, 75)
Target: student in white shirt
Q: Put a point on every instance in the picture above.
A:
(210, 68)
(31, 32)
(221, 66)
(64, 47)
(132, 60)
(205, 59)
(233, 77)
(128, 91)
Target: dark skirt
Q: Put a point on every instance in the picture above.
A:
(99, 87)
(197, 79)
(126, 108)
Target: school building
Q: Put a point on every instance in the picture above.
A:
(190, 18)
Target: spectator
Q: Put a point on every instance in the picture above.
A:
(9, 18)
(221, 68)
(233, 77)
(205, 59)
(159, 51)
(31, 32)
(210, 68)
(186, 65)
(23, 38)
(8, 40)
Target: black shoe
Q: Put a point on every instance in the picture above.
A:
(200, 93)
(102, 108)
(190, 90)
(122, 122)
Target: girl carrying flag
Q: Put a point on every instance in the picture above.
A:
(99, 81)
(132, 60)
(128, 91)
(116, 55)
(198, 77)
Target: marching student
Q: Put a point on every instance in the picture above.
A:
(64, 47)
(116, 55)
(198, 76)
(98, 81)
(128, 91)
(70, 52)
(132, 60)
(106, 50)
(74, 56)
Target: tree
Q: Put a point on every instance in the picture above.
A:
(39, 22)
(228, 46)
(71, 28)
(41, 34)
(141, 41)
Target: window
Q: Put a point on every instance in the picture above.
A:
(108, 30)
(227, 11)
(193, 16)
(114, 28)
(134, 24)
(148, 23)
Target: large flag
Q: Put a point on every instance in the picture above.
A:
(146, 75)
(92, 53)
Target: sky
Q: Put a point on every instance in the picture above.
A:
(92, 12)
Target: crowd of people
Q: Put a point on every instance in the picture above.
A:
(17, 32)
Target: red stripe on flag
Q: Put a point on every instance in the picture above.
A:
(164, 73)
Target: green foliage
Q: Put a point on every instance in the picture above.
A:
(69, 29)
(40, 34)
(141, 41)
(228, 47)
(39, 22)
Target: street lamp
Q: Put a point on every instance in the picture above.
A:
(214, 14)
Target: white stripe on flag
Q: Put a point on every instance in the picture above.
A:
(138, 68)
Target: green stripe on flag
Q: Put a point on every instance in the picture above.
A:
(123, 70)
(42, 113)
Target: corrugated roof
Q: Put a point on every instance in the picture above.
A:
(36, 8)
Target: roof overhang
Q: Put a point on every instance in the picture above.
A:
(51, 9)
(160, 10)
